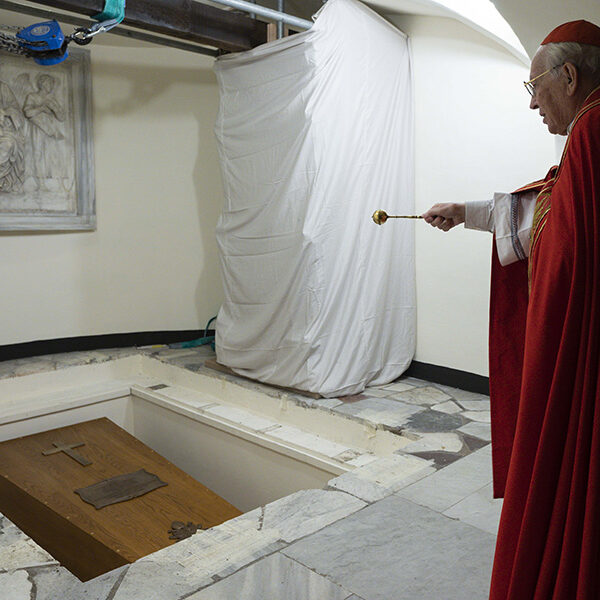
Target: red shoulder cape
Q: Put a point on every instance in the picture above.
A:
(548, 544)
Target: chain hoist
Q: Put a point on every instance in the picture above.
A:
(47, 44)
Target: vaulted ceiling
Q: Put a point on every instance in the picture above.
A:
(531, 20)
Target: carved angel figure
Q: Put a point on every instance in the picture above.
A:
(12, 156)
(45, 115)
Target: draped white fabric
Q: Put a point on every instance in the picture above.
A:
(315, 132)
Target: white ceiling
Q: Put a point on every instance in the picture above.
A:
(531, 20)
(534, 19)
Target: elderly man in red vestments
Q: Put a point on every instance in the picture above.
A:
(545, 338)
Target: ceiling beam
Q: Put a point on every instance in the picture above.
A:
(183, 19)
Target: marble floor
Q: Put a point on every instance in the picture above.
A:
(417, 524)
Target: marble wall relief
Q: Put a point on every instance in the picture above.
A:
(46, 153)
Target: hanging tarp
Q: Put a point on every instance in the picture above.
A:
(315, 132)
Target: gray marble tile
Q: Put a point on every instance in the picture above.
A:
(26, 366)
(426, 396)
(100, 588)
(16, 585)
(303, 513)
(172, 353)
(397, 550)
(430, 421)
(479, 509)
(276, 577)
(379, 411)
(56, 582)
(453, 483)
(478, 430)
(382, 477)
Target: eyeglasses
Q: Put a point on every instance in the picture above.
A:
(530, 87)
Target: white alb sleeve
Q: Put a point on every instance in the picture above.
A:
(510, 217)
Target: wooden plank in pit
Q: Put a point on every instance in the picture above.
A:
(37, 494)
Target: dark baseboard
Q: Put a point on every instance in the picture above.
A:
(434, 373)
(97, 342)
(451, 377)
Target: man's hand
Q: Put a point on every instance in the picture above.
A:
(445, 216)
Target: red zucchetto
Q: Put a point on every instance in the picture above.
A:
(581, 32)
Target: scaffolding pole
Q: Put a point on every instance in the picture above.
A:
(268, 13)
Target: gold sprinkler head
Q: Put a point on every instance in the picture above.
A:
(380, 217)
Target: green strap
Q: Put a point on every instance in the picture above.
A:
(113, 9)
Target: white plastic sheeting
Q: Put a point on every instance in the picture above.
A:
(315, 132)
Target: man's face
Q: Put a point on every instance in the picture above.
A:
(550, 95)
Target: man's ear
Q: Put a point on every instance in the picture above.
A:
(572, 74)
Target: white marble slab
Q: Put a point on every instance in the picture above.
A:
(380, 411)
(362, 460)
(482, 404)
(24, 553)
(276, 577)
(15, 585)
(453, 483)
(307, 511)
(186, 395)
(450, 407)
(327, 403)
(482, 431)
(241, 417)
(399, 386)
(377, 392)
(382, 477)
(480, 416)
(431, 442)
(100, 588)
(426, 396)
(149, 579)
(224, 549)
(461, 395)
(304, 439)
(56, 583)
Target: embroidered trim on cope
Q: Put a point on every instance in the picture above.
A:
(514, 227)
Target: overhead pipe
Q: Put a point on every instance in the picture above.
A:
(268, 13)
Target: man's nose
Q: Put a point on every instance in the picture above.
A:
(533, 104)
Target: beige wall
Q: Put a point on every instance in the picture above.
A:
(151, 264)
(474, 135)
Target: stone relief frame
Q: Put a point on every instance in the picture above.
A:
(46, 144)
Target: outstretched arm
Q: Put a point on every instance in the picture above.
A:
(446, 215)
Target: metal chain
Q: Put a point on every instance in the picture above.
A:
(10, 43)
